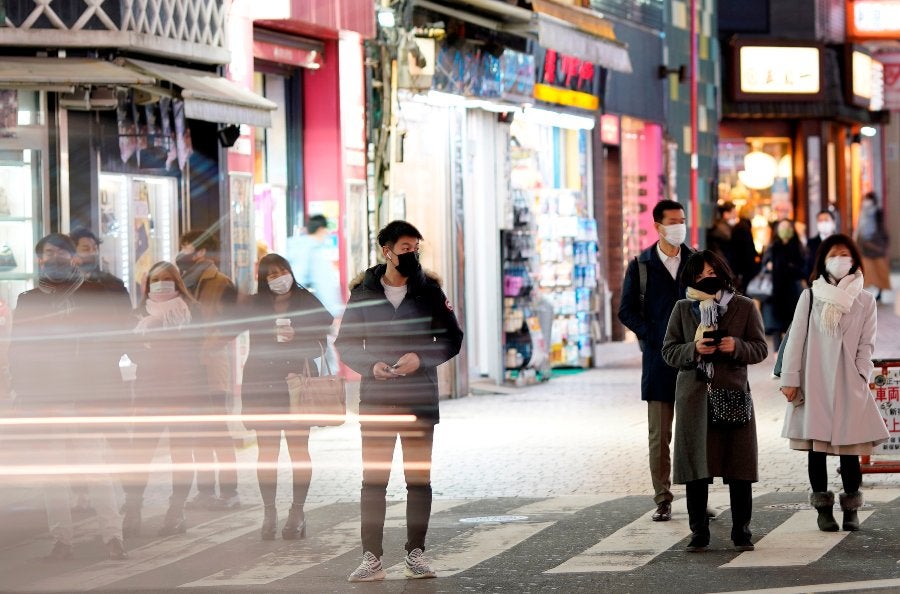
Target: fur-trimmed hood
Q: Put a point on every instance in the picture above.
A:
(371, 278)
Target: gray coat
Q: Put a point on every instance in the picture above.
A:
(702, 451)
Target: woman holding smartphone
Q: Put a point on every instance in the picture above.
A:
(288, 326)
(713, 335)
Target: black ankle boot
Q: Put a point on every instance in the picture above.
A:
(824, 504)
(295, 526)
(270, 523)
(174, 522)
(850, 502)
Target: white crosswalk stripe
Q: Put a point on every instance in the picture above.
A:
(302, 555)
(462, 547)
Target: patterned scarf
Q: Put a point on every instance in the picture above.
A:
(836, 299)
(63, 290)
(711, 308)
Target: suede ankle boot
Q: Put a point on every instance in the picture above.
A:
(850, 502)
(270, 523)
(295, 526)
(823, 501)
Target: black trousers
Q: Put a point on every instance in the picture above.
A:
(741, 496)
(851, 475)
(377, 453)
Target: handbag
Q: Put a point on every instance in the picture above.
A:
(728, 407)
(323, 396)
(760, 286)
(779, 360)
(7, 258)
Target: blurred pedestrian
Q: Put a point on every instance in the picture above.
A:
(216, 297)
(825, 228)
(287, 326)
(825, 378)
(786, 260)
(718, 237)
(64, 362)
(167, 345)
(649, 292)
(704, 450)
(87, 256)
(310, 255)
(745, 259)
(397, 328)
(873, 243)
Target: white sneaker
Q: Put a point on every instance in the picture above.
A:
(417, 565)
(370, 570)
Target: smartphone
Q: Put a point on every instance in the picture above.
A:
(716, 335)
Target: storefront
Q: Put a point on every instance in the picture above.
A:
(312, 160)
(800, 134)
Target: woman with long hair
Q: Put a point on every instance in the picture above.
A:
(825, 378)
(288, 326)
(166, 349)
(713, 335)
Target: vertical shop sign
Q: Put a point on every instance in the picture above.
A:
(891, 64)
(243, 246)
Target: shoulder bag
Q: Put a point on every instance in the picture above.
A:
(780, 358)
(323, 396)
(728, 407)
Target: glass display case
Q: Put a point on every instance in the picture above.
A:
(138, 226)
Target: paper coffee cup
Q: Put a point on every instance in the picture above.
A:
(279, 324)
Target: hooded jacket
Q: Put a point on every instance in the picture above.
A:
(373, 331)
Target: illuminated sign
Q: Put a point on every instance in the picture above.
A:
(780, 70)
(609, 129)
(861, 77)
(566, 80)
(873, 19)
(865, 81)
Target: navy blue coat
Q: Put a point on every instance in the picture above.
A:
(650, 322)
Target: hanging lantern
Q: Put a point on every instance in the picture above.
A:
(759, 170)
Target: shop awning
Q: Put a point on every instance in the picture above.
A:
(608, 53)
(208, 96)
(64, 74)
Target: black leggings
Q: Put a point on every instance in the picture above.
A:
(851, 475)
(269, 443)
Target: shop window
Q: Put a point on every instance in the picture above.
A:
(756, 174)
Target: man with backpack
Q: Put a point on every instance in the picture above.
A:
(652, 286)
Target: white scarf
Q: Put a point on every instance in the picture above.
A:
(836, 299)
(711, 308)
(173, 313)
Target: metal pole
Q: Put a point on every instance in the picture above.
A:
(695, 206)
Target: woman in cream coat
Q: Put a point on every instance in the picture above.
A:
(825, 378)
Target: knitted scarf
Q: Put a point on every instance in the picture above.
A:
(836, 299)
(173, 313)
(711, 307)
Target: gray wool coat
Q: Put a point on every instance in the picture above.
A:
(702, 451)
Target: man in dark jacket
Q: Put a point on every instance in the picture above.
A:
(64, 360)
(645, 309)
(397, 328)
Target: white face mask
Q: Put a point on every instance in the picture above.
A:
(825, 228)
(162, 291)
(282, 284)
(674, 234)
(839, 266)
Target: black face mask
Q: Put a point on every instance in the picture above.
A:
(408, 264)
(184, 262)
(57, 271)
(709, 285)
(88, 264)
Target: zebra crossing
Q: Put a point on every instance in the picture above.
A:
(469, 539)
